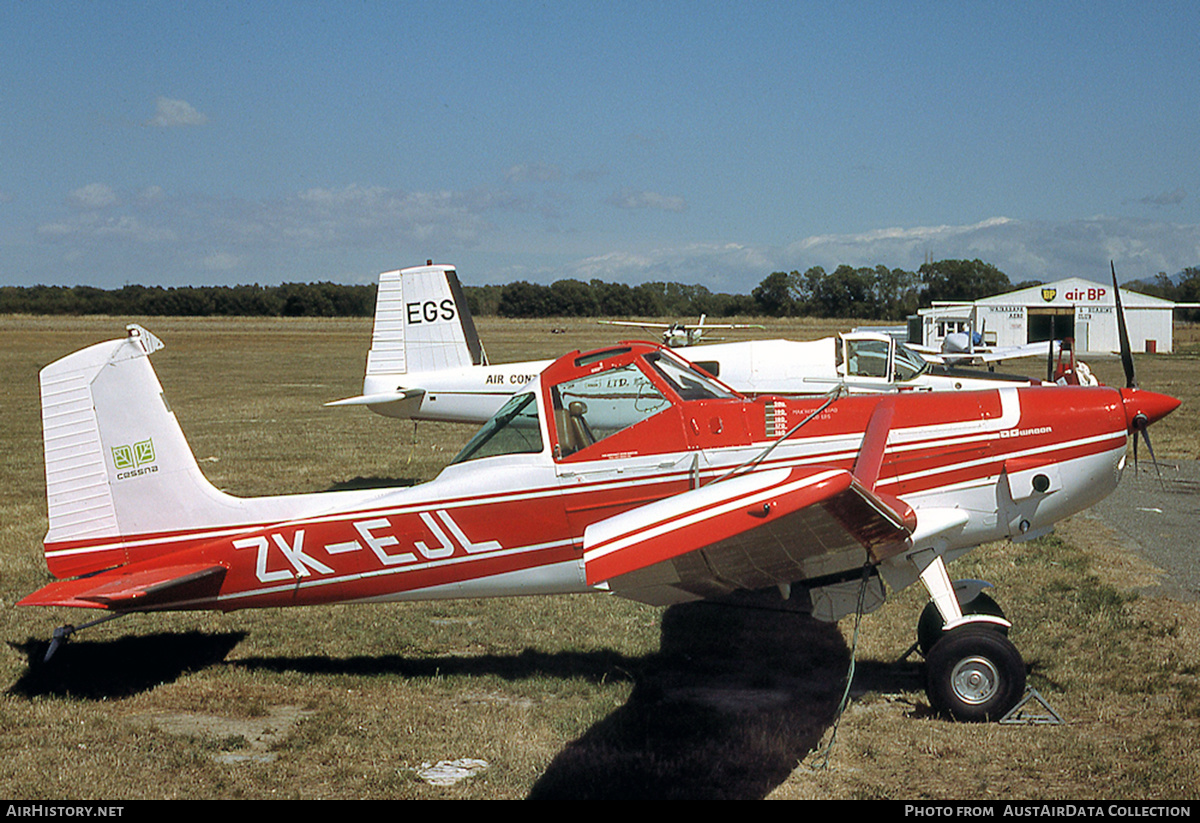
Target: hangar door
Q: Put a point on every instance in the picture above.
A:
(1049, 323)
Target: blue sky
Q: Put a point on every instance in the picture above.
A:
(176, 143)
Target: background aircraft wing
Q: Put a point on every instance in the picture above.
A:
(996, 354)
(758, 530)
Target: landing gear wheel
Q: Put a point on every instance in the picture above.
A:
(929, 626)
(974, 674)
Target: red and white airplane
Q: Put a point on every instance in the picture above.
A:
(624, 470)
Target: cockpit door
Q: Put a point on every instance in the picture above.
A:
(617, 441)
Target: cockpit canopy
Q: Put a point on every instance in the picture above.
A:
(583, 399)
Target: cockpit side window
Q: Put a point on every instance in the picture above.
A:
(515, 429)
(592, 408)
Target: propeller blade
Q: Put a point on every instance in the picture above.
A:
(1150, 448)
(1123, 333)
(1050, 362)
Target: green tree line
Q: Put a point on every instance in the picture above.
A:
(872, 293)
(1182, 288)
(287, 300)
(877, 293)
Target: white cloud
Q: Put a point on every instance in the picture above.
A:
(1024, 250)
(220, 233)
(372, 216)
(93, 196)
(152, 194)
(221, 261)
(298, 236)
(94, 225)
(533, 172)
(632, 199)
(175, 113)
(730, 267)
(1166, 198)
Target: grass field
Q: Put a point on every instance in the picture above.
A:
(572, 697)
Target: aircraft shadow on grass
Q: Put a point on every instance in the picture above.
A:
(734, 699)
(731, 704)
(103, 670)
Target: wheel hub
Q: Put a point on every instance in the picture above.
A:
(975, 680)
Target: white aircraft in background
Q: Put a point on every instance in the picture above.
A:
(678, 335)
(966, 348)
(426, 361)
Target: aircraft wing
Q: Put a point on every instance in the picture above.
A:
(634, 324)
(120, 589)
(926, 352)
(681, 326)
(997, 354)
(754, 531)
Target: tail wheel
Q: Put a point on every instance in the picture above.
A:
(974, 674)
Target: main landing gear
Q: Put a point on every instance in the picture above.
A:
(973, 672)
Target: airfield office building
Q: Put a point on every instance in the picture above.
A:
(1081, 309)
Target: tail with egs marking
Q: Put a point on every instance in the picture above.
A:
(422, 324)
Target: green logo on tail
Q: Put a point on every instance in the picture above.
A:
(132, 457)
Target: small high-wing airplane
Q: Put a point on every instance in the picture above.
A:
(967, 348)
(426, 360)
(623, 470)
(678, 335)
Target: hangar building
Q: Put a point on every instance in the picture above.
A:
(1074, 307)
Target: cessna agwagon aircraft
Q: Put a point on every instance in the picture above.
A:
(624, 471)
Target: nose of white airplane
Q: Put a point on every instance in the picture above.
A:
(1145, 407)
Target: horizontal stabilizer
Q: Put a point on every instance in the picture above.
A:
(121, 591)
(754, 531)
(376, 399)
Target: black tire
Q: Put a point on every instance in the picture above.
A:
(929, 626)
(974, 674)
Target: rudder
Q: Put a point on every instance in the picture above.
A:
(117, 462)
(422, 324)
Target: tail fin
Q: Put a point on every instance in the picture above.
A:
(117, 463)
(422, 323)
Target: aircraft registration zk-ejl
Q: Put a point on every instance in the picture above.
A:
(623, 470)
(426, 360)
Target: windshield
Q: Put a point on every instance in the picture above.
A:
(909, 364)
(515, 429)
(685, 380)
